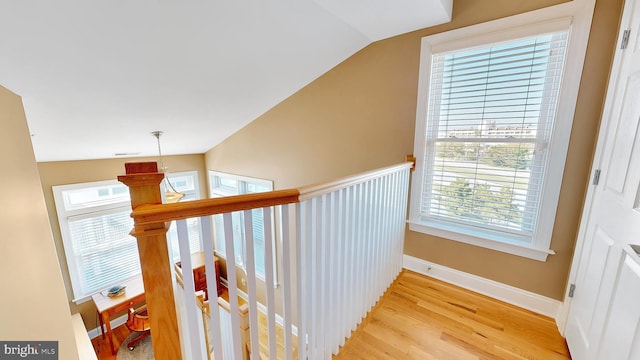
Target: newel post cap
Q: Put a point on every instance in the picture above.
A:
(143, 180)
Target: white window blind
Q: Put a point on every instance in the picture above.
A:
(490, 119)
(95, 223)
(105, 253)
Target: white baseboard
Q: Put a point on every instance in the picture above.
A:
(93, 333)
(509, 294)
(563, 315)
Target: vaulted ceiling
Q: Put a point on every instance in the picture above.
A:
(96, 77)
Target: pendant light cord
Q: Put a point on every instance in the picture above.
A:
(164, 170)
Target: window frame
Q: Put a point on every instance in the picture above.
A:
(214, 190)
(83, 212)
(576, 16)
(64, 215)
(172, 232)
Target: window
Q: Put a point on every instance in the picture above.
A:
(95, 223)
(490, 140)
(186, 183)
(222, 184)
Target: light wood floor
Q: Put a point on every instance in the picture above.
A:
(422, 318)
(101, 346)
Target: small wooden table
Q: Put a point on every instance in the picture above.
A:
(109, 306)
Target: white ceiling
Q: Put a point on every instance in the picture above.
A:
(97, 77)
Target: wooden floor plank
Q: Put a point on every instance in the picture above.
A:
(423, 318)
(101, 346)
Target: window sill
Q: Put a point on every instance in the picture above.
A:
(81, 300)
(450, 233)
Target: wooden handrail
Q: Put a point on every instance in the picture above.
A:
(158, 213)
(307, 192)
(154, 213)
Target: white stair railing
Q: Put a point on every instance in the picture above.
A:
(350, 251)
(339, 247)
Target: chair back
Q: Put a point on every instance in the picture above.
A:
(138, 319)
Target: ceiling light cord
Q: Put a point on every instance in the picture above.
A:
(157, 135)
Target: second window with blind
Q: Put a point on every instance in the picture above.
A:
(484, 135)
(225, 184)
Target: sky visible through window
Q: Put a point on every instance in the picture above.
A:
(504, 84)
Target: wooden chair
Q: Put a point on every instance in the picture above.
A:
(138, 321)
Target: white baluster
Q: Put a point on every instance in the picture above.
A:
(232, 285)
(225, 323)
(383, 240)
(387, 240)
(396, 224)
(286, 281)
(359, 256)
(212, 286)
(349, 284)
(271, 303)
(189, 290)
(301, 279)
(403, 208)
(332, 254)
(368, 208)
(323, 276)
(339, 270)
(251, 284)
(314, 276)
(377, 265)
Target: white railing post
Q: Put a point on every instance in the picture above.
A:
(324, 228)
(232, 281)
(301, 279)
(193, 314)
(214, 335)
(268, 264)
(286, 281)
(338, 243)
(251, 285)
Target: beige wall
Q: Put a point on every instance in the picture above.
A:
(361, 115)
(33, 305)
(71, 172)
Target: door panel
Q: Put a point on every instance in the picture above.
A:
(604, 315)
(626, 136)
(621, 339)
(592, 295)
(595, 266)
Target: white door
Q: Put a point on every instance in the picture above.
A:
(604, 316)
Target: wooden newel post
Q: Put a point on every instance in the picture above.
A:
(143, 180)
